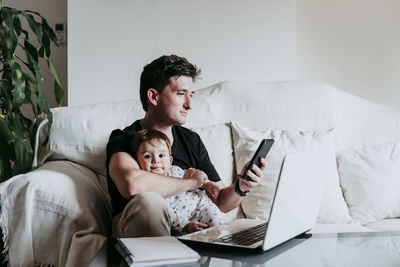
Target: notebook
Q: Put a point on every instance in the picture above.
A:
(152, 251)
(294, 208)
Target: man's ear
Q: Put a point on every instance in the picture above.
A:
(171, 159)
(153, 96)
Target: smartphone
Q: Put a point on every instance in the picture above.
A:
(262, 152)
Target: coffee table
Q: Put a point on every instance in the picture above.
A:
(350, 249)
(347, 249)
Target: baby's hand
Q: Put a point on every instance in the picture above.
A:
(193, 226)
(212, 190)
(199, 176)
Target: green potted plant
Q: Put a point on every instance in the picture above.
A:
(22, 84)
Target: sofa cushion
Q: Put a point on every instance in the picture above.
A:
(257, 203)
(218, 141)
(80, 133)
(370, 178)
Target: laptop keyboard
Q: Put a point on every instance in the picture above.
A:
(246, 237)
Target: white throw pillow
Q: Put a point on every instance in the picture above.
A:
(370, 178)
(80, 133)
(258, 202)
(218, 141)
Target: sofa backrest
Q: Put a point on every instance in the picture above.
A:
(80, 133)
(359, 122)
(300, 116)
(291, 105)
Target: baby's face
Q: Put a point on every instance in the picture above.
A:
(153, 156)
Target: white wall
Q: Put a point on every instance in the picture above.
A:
(353, 45)
(55, 11)
(111, 41)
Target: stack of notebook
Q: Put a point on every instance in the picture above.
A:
(150, 251)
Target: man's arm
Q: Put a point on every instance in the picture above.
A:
(228, 199)
(131, 180)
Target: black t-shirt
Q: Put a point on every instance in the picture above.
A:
(188, 151)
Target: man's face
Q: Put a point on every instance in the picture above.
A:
(175, 101)
(153, 156)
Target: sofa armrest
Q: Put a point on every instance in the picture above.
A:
(40, 152)
(55, 215)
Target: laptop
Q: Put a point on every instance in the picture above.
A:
(294, 210)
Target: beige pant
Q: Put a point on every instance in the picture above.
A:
(146, 214)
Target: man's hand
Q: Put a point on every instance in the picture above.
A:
(198, 176)
(193, 226)
(248, 185)
(212, 190)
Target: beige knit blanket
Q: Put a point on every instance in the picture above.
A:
(57, 215)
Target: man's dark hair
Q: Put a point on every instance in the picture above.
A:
(147, 135)
(158, 74)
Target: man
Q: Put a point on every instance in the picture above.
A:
(137, 196)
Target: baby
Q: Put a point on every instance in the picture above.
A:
(190, 211)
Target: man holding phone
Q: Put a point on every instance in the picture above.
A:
(137, 196)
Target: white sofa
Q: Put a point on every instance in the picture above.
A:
(60, 213)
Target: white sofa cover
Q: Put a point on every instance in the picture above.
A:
(62, 211)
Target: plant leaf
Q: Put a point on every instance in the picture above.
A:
(17, 133)
(5, 163)
(19, 85)
(17, 25)
(25, 63)
(49, 32)
(23, 155)
(9, 38)
(6, 86)
(22, 145)
(42, 104)
(32, 50)
(6, 150)
(41, 52)
(5, 131)
(58, 90)
(35, 26)
(40, 31)
(46, 44)
(28, 91)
